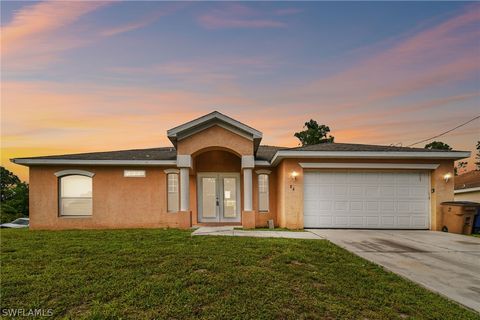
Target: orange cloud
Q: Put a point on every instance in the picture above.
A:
(41, 19)
(442, 54)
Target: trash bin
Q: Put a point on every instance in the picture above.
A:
(458, 216)
(476, 222)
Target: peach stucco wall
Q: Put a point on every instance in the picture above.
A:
(118, 202)
(213, 138)
(290, 193)
(217, 161)
(261, 218)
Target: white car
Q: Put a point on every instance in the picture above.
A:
(18, 223)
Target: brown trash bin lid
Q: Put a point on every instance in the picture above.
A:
(461, 203)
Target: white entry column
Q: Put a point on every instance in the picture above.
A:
(184, 162)
(248, 163)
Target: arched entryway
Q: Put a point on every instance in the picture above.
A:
(218, 186)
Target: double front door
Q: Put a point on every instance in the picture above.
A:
(218, 197)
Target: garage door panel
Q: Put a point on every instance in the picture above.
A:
(418, 207)
(341, 206)
(340, 190)
(341, 221)
(356, 206)
(420, 222)
(356, 221)
(387, 206)
(388, 221)
(356, 191)
(325, 220)
(372, 191)
(372, 178)
(387, 178)
(387, 191)
(371, 206)
(310, 207)
(372, 221)
(366, 199)
(403, 221)
(325, 205)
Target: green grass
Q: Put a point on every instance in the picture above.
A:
(169, 274)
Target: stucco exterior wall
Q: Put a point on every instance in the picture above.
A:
(213, 138)
(290, 199)
(118, 202)
(217, 161)
(261, 218)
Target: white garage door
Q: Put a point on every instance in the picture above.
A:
(367, 199)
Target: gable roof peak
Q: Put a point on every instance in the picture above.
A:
(210, 119)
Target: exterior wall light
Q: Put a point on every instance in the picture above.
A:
(447, 177)
(294, 175)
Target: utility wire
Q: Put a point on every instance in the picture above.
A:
(443, 133)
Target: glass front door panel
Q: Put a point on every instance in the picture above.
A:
(229, 197)
(209, 199)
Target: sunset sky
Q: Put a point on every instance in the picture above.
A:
(98, 76)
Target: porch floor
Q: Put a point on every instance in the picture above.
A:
(231, 231)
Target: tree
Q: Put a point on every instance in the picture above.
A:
(314, 134)
(461, 166)
(438, 145)
(14, 196)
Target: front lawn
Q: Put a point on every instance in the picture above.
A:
(169, 274)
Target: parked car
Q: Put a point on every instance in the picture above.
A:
(17, 223)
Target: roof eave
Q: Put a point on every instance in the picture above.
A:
(467, 190)
(172, 133)
(454, 155)
(44, 161)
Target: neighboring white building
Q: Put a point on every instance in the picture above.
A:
(467, 186)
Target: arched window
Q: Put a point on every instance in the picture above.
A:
(75, 193)
(173, 198)
(263, 190)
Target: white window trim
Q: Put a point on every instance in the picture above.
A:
(268, 190)
(71, 172)
(143, 175)
(66, 173)
(167, 173)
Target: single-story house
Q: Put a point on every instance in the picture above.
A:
(467, 186)
(217, 173)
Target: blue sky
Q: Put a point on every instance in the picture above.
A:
(88, 76)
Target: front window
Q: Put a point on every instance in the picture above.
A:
(75, 195)
(172, 191)
(263, 192)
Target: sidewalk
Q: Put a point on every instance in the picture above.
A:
(231, 231)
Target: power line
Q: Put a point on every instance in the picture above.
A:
(443, 133)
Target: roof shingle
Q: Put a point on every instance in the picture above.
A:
(264, 152)
(467, 180)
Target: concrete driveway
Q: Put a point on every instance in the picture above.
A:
(445, 263)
